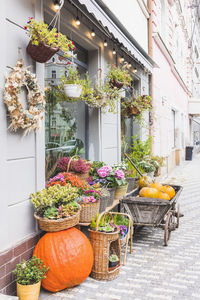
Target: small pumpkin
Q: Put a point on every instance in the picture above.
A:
(156, 185)
(163, 195)
(68, 254)
(145, 181)
(168, 190)
(149, 192)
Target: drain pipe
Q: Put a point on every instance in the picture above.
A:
(150, 52)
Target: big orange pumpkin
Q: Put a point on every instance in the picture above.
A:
(156, 185)
(68, 254)
(149, 192)
(145, 181)
(168, 190)
(163, 195)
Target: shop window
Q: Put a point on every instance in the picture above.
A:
(128, 127)
(66, 123)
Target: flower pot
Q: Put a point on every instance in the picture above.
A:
(116, 84)
(82, 176)
(104, 203)
(157, 172)
(40, 53)
(120, 191)
(132, 183)
(113, 264)
(73, 90)
(89, 211)
(112, 196)
(28, 292)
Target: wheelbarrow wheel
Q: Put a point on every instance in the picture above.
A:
(167, 229)
(178, 216)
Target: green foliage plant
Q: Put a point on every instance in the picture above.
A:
(113, 258)
(52, 197)
(121, 220)
(119, 74)
(30, 272)
(39, 33)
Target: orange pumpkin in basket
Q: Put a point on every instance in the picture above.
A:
(149, 192)
(156, 185)
(163, 195)
(168, 190)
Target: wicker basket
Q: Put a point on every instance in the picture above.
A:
(132, 183)
(102, 243)
(83, 176)
(58, 225)
(41, 53)
(89, 211)
(120, 191)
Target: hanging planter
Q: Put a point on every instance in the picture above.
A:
(118, 77)
(40, 53)
(117, 84)
(44, 43)
(73, 90)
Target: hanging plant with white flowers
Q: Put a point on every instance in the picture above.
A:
(28, 119)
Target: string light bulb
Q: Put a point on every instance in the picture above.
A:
(122, 58)
(57, 4)
(105, 43)
(129, 65)
(114, 51)
(135, 70)
(78, 22)
(92, 33)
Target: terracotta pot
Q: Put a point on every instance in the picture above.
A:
(28, 292)
(73, 90)
(40, 53)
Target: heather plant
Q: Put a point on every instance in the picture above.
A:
(78, 166)
(30, 272)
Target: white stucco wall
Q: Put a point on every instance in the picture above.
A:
(133, 15)
(21, 158)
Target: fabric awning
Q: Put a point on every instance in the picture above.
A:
(106, 21)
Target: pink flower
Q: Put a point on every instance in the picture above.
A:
(102, 174)
(119, 174)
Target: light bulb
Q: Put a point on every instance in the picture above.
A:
(129, 65)
(77, 21)
(122, 58)
(134, 70)
(105, 43)
(114, 51)
(92, 33)
(57, 4)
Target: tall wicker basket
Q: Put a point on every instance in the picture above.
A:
(83, 176)
(102, 243)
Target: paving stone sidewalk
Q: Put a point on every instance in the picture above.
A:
(153, 271)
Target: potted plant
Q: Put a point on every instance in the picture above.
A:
(158, 162)
(56, 207)
(119, 77)
(64, 178)
(79, 166)
(113, 261)
(89, 203)
(44, 43)
(72, 83)
(28, 277)
(135, 106)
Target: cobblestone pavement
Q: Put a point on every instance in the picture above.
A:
(153, 271)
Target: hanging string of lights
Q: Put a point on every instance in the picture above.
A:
(58, 5)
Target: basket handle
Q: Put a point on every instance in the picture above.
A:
(99, 218)
(69, 163)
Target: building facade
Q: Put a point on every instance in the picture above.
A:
(172, 80)
(22, 159)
